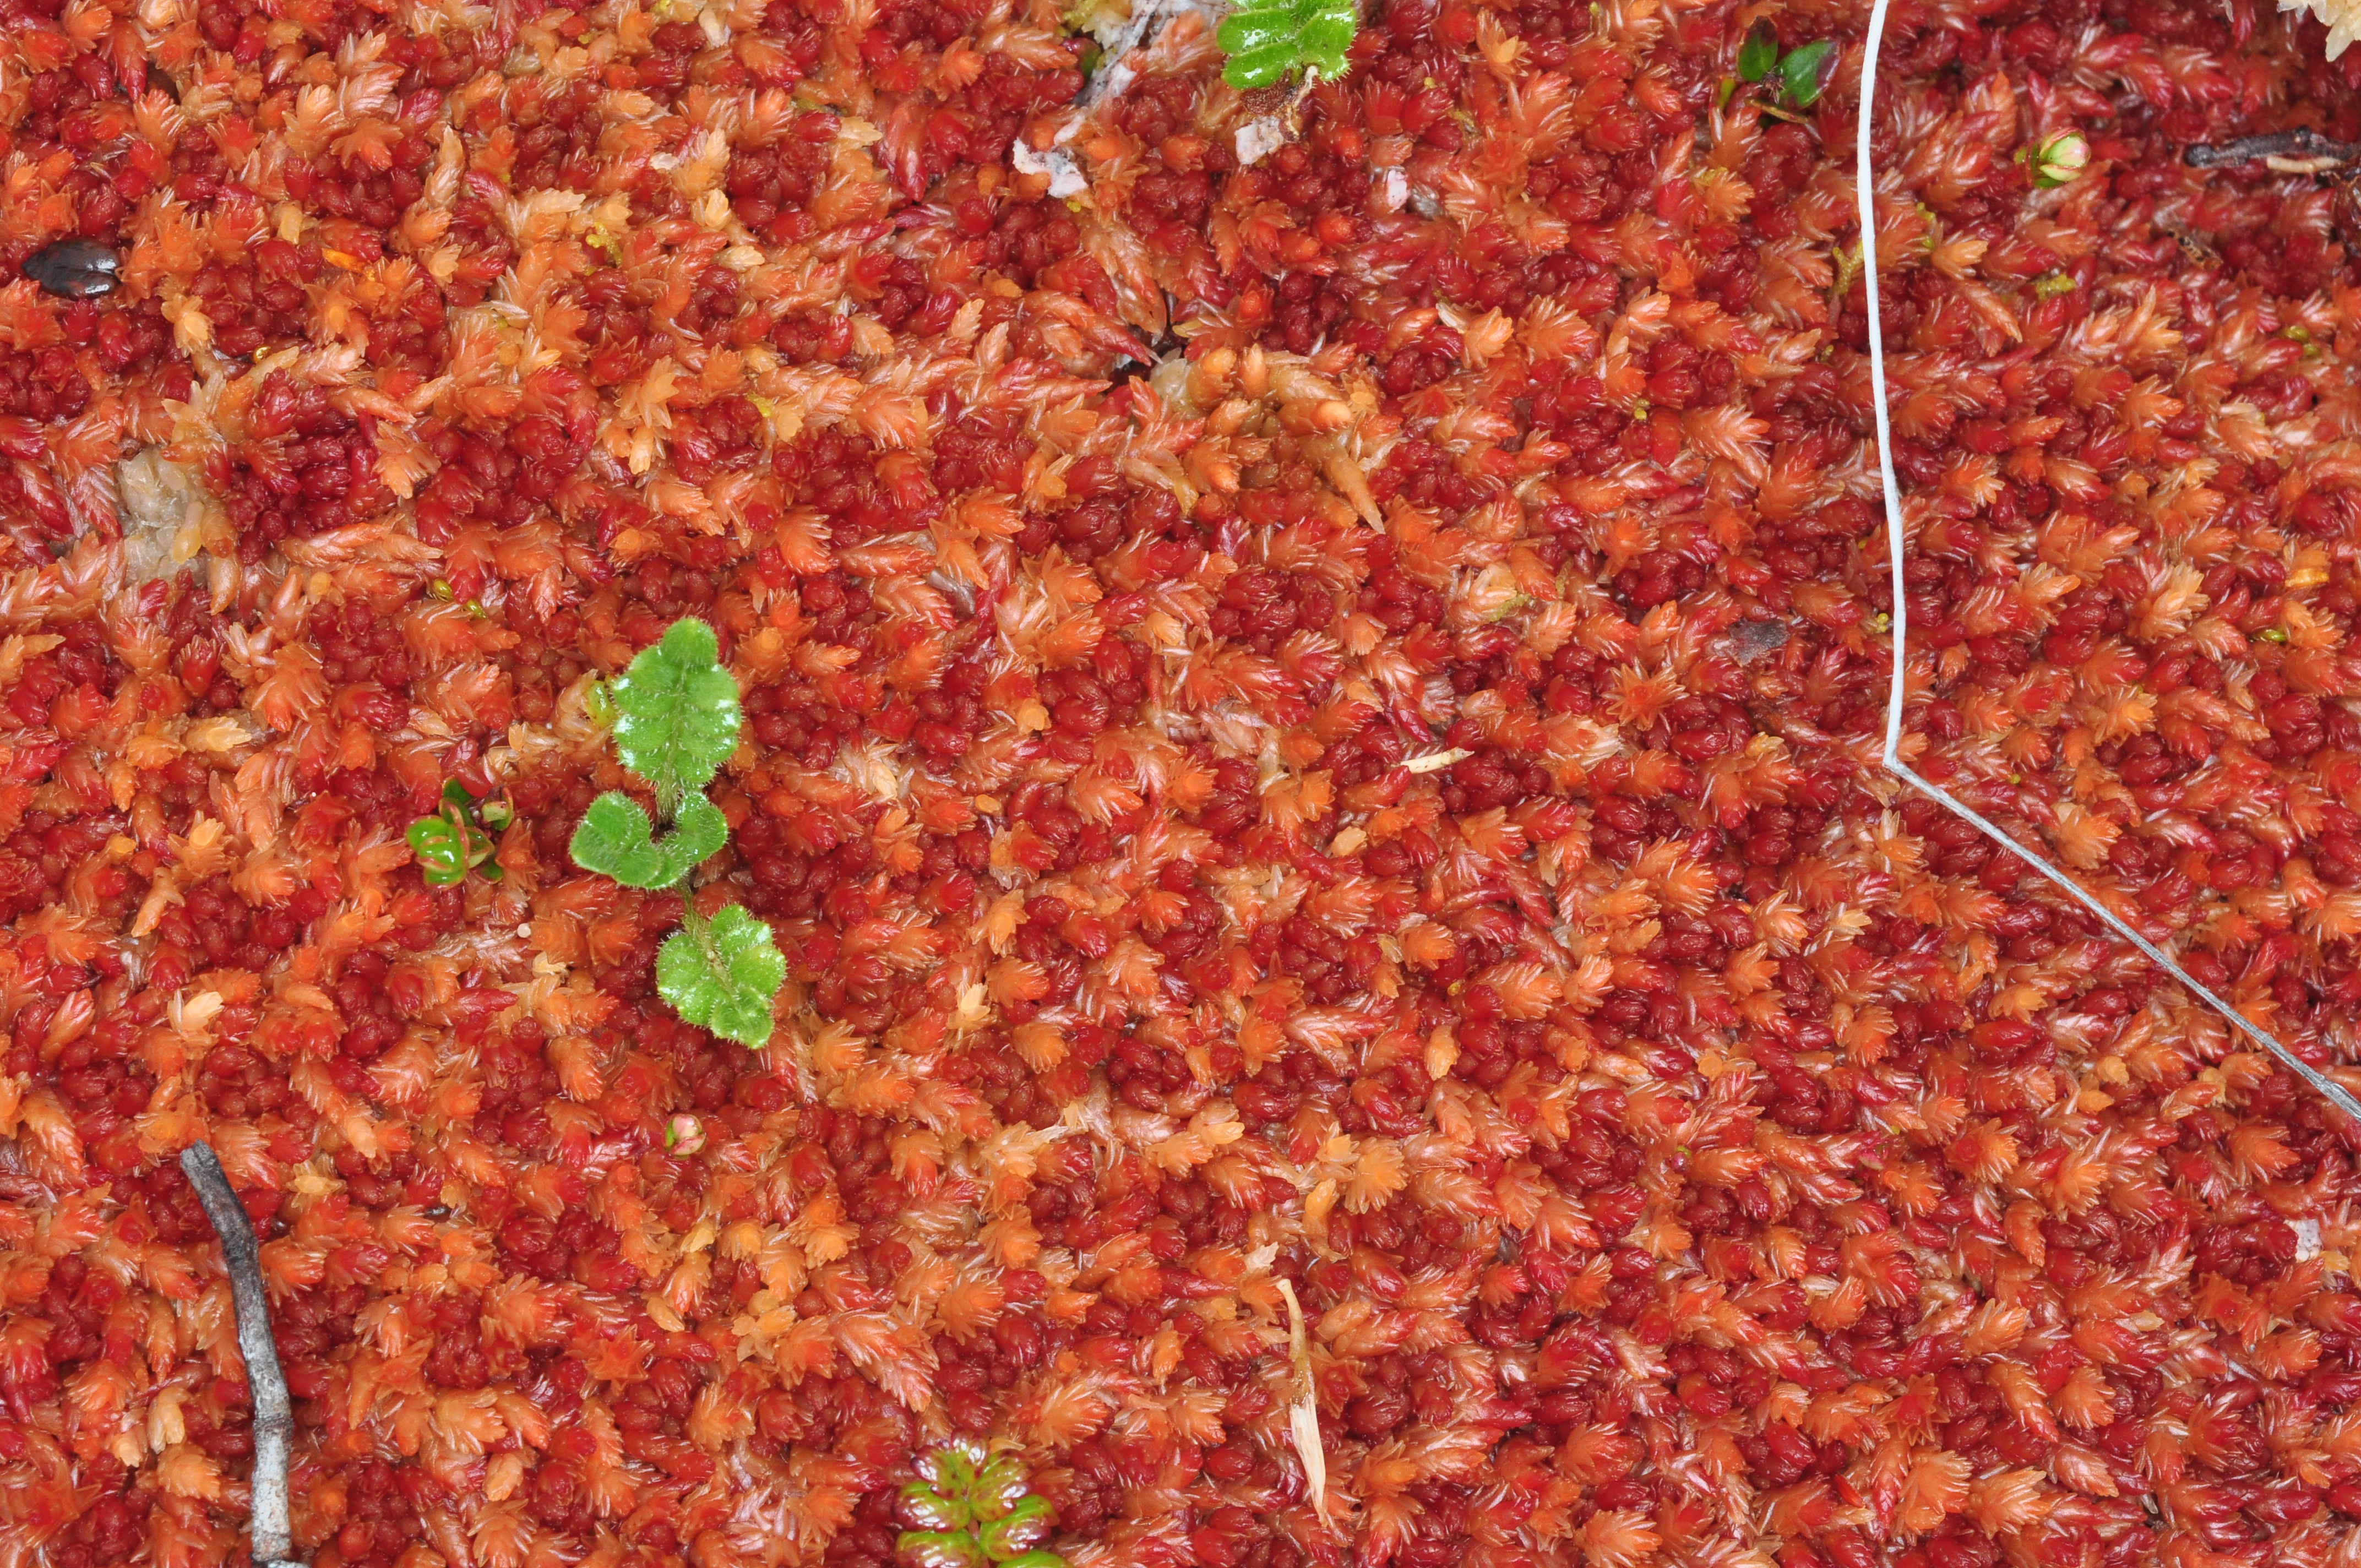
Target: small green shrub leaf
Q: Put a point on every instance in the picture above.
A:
(720, 974)
(676, 712)
(1801, 72)
(1759, 53)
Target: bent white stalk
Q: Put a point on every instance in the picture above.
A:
(1865, 189)
(274, 1414)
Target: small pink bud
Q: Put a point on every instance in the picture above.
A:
(2059, 159)
(684, 1135)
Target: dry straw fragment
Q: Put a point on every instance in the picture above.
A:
(1304, 1409)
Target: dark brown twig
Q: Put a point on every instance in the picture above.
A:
(274, 1415)
(2308, 152)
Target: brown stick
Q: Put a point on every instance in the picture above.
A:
(274, 1414)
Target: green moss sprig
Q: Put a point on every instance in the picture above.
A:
(976, 1512)
(458, 839)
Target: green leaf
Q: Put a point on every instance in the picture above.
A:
(442, 850)
(1759, 53)
(722, 975)
(1800, 73)
(676, 712)
(1266, 39)
(617, 839)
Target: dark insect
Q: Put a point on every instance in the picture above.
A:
(75, 269)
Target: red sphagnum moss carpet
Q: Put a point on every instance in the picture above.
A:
(1310, 725)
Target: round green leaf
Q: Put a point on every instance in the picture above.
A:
(722, 975)
(1759, 53)
(617, 839)
(1244, 32)
(1800, 73)
(1324, 39)
(1000, 1486)
(697, 835)
(1265, 43)
(677, 711)
(1260, 68)
(952, 1468)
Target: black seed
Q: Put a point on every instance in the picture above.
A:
(74, 268)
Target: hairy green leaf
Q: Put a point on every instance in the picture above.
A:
(720, 974)
(1267, 39)
(1759, 53)
(676, 712)
(1800, 73)
(617, 839)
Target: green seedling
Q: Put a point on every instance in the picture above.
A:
(676, 717)
(1795, 79)
(976, 1512)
